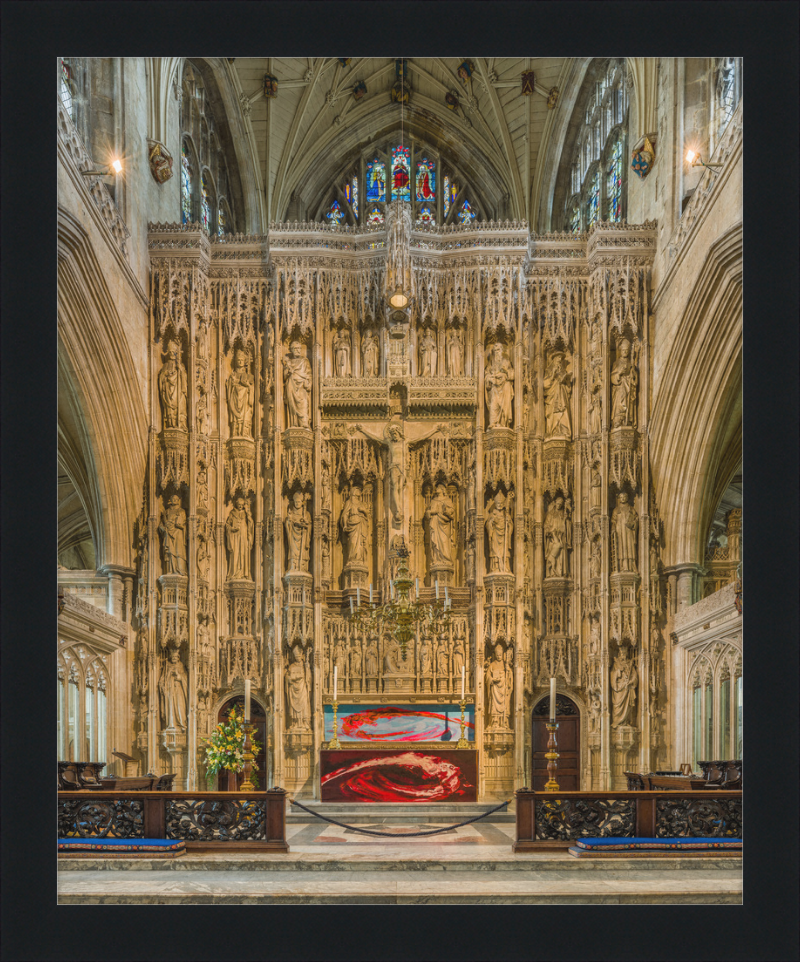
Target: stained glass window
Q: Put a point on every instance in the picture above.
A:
(375, 217)
(400, 176)
(221, 220)
(348, 194)
(426, 180)
(466, 214)
(726, 92)
(614, 182)
(376, 180)
(66, 88)
(205, 205)
(450, 194)
(425, 215)
(593, 203)
(354, 201)
(335, 213)
(575, 220)
(186, 186)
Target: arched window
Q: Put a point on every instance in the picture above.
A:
(401, 178)
(335, 213)
(82, 705)
(697, 724)
(450, 194)
(593, 200)
(351, 196)
(205, 201)
(186, 185)
(614, 180)
(426, 180)
(574, 222)
(466, 215)
(727, 91)
(221, 219)
(66, 88)
(376, 181)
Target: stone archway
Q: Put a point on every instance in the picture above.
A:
(568, 718)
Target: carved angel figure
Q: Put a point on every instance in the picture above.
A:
(624, 679)
(173, 691)
(172, 388)
(239, 391)
(298, 685)
(441, 522)
(297, 525)
(624, 382)
(239, 538)
(499, 387)
(297, 387)
(173, 530)
(370, 353)
(557, 381)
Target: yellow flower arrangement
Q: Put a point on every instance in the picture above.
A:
(225, 747)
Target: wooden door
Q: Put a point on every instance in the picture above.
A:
(568, 736)
(230, 781)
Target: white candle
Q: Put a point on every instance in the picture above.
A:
(335, 681)
(370, 592)
(462, 683)
(552, 699)
(437, 589)
(247, 699)
(446, 595)
(351, 606)
(304, 596)
(416, 587)
(358, 597)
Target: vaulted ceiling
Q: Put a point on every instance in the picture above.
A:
(502, 139)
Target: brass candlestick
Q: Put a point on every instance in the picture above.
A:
(551, 755)
(248, 756)
(462, 742)
(334, 742)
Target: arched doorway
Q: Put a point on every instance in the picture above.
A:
(569, 748)
(230, 781)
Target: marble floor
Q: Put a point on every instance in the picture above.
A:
(329, 864)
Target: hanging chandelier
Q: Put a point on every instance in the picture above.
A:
(399, 615)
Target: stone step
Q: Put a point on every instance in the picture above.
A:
(410, 887)
(396, 813)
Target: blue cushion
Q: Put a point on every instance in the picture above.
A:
(121, 845)
(623, 844)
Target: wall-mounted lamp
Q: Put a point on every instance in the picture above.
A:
(115, 167)
(697, 161)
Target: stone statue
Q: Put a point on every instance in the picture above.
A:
(298, 685)
(595, 413)
(442, 659)
(594, 636)
(499, 527)
(340, 657)
(341, 353)
(326, 488)
(499, 387)
(459, 661)
(526, 339)
(596, 485)
(371, 657)
(567, 533)
(239, 391)
(425, 656)
(202, 559)
(455, 352)
(555, 540)
(469, 561)
(595, 560)
(173, 529)
(355, 662)
(624, 383)
(499, 685)
(428, 354)
(441, 525)
(239, 539)
(354, 528)
(173, 690)
(297, 387)
(297, 526)
(370, 352)
(557, 381)
(172, 388)
(624, 679)
(625, 527)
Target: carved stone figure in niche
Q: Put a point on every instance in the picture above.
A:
(595, 413)
(471, 487)
(499, 527)
(370, 352)
(354, 528)
(173, 691)
(239, 391)
(202, 487)
(355, 663)
(499, 686)
(326, 487)
(455, 352)
(594, 636)
(469, 561)
(625, 526)
(202, 559)
(297, 526)
(596, 493)
(172, 388)
(624, 679)
(441, 524)
(173, 530)
(425, 662)
(459, 659)
(428, 354)
(202, 410)
(526, 340)
(568, 533)
(595, 560)
(341, 353)
(499, 387)
(624, 383)
(442, 658)
(557, 381)
(270, 341)
(297, 387)
(239, 538)
(371, 657)
(340, 657)
(555, 540)
(298, 686)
